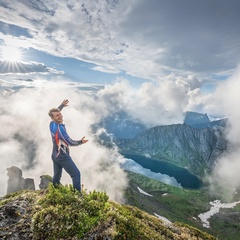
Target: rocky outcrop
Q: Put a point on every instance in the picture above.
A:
(45, 180)
(16, 182)
(89, 216)
(15, 220)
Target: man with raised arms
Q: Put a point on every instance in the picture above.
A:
(61, 142)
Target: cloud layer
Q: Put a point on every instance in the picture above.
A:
(22, 68)
(161, 102)
(25, 139)
(142, 39)
(226, 179)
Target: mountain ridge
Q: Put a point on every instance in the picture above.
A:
(61, 213)
(193, 148)
(199, 120)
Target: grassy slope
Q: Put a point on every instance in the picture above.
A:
(182, 205)
(60, 213)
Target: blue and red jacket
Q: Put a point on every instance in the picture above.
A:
(60, 138)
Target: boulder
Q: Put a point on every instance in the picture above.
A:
(16, 182)
(45, 180)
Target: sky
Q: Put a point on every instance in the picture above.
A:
(98, 41)
(153, 59)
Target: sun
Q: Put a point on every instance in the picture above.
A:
(10, 54)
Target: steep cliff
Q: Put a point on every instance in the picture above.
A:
(188, 147)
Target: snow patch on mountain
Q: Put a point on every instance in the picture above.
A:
(216, 205)
(145, 193)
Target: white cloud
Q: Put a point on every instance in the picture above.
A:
(226, 178)
(177, 46)
(23, 68)
(142, 39)
(24, 114)
(156, 103)
(107, 69)
(25, 140)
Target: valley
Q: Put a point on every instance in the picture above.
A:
(183, 205)
(187, 153)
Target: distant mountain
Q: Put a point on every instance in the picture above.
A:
(193, 148)
(196, 118)
(121, 125)
(199, 120)
(194, 145)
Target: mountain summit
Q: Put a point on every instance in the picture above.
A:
(61, 213)
(199, 120)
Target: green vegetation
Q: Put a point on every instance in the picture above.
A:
(196, 233)
(132, 223)
(47, 177)
(182, 205)
(30, 195)
(225, 224)
(68, 213)
(175, 203)
(62, 213)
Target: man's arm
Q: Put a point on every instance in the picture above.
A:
(63, 135)
(63, 104)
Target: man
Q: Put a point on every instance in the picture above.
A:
(61, 142)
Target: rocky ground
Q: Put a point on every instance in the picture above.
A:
(120, 221)
(15, 220)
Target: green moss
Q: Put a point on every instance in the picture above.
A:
(62, 213)
(65, 213)
(132, 223)
(47, 177)
(29, 194)
(196, 233)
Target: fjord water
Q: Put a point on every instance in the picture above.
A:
(182, 175)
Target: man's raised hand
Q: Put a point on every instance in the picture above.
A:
(65, 102)
(84, 140)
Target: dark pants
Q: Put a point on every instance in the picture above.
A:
(64, 161)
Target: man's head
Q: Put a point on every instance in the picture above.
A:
(55, 115)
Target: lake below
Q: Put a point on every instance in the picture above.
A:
(182, 175)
